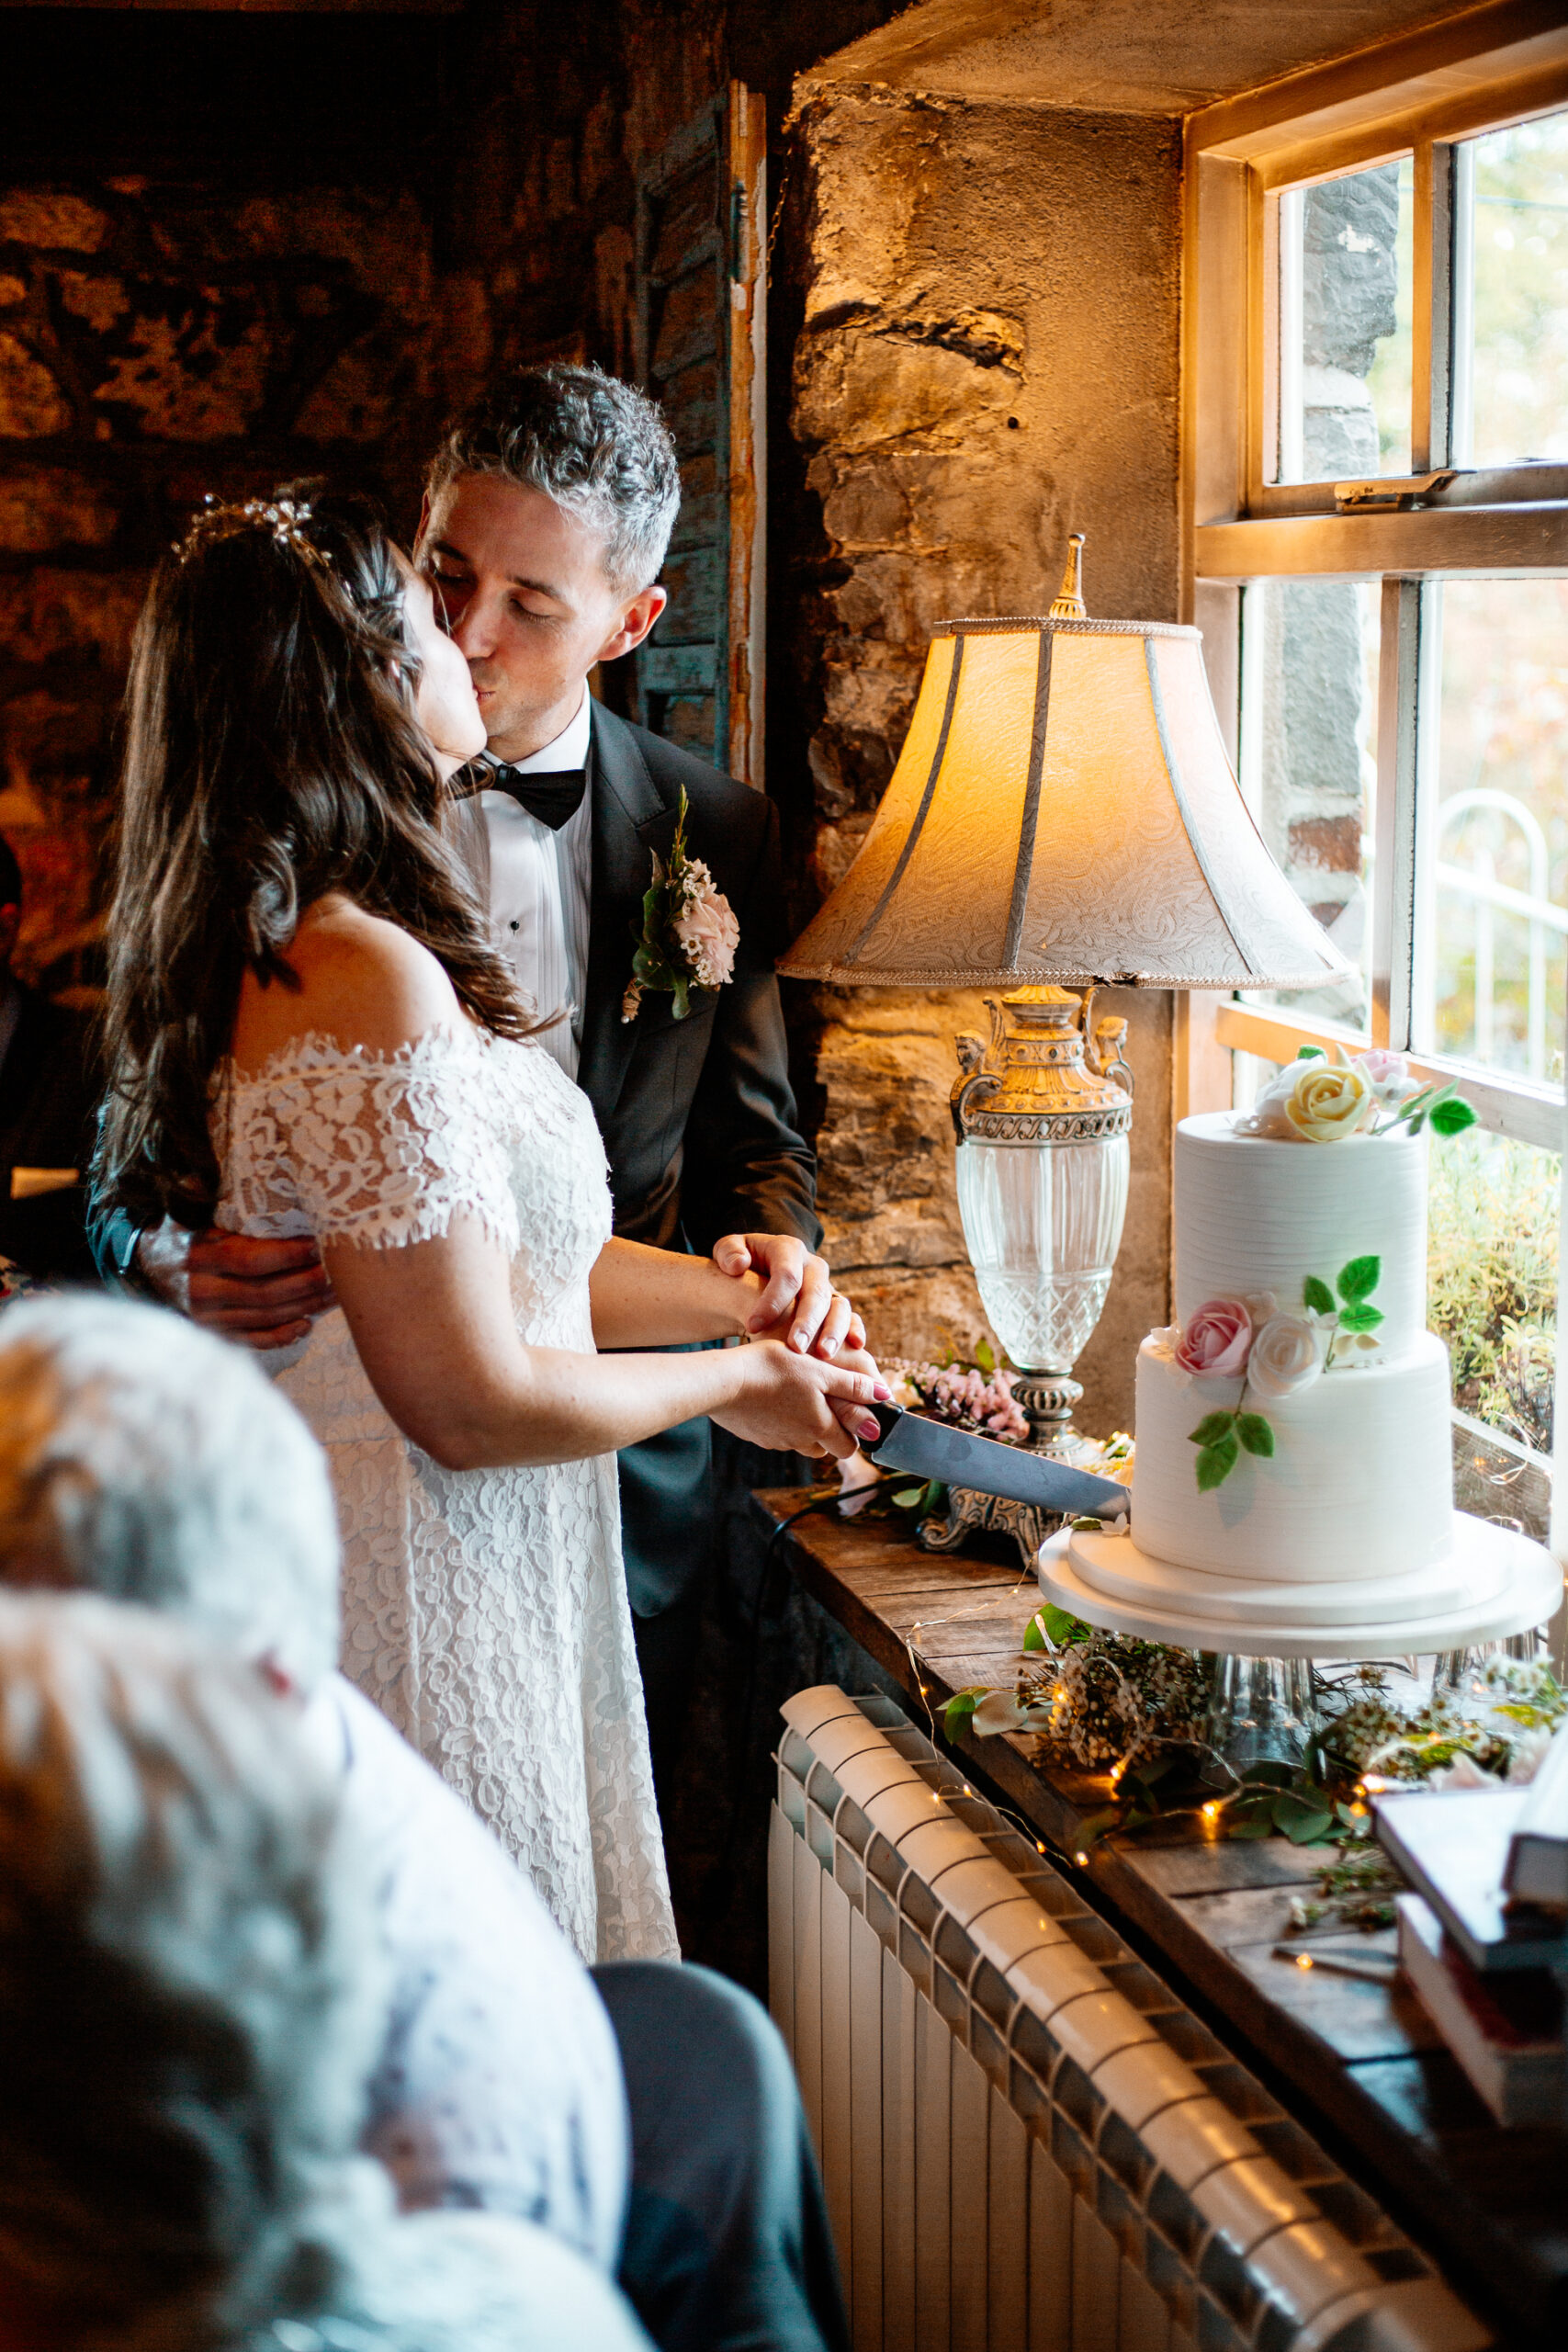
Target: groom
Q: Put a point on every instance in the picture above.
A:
(547, 513)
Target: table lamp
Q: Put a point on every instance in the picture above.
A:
(1063, 814)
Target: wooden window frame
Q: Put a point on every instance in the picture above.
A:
(1422, 95)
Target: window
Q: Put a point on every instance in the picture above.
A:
(1376, 448)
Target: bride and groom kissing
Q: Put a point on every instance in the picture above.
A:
(374, 1084)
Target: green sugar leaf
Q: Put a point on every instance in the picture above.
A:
(1317, 1295)
(1309, 1054)
(1215, 1463)
(1359, 1318)
(1255, 1435)
(1452, 1117)
(1212, 1430)
(1062, 1625)
(1034, 1639)
(1359, 1279)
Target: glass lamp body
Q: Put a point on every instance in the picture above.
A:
(1042, 1222)
(1043, 1168)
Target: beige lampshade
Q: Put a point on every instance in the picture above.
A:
(1064, 810)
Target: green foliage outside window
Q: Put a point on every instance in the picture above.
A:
(1492, 1279)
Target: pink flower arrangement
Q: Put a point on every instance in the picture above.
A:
(1217, 1340)
(968, 1396)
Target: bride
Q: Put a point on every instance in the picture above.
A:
(308, 1032)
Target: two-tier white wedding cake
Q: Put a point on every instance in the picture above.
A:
(1293, 1493)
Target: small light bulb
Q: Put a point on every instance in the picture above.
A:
(1038, 1846)
(1303, 1959)
(1082, 1859)
(1211, 1811)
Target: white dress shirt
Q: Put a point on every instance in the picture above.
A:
(499, 2083)
(539, 885)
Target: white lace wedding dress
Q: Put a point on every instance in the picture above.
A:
(484, 1611)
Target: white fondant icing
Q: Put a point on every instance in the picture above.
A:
(1360, 1483)
(1257, 1216)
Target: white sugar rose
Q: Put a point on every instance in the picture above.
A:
(707, 930)
(1287, 1356)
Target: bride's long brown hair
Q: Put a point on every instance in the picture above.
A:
(272, 754)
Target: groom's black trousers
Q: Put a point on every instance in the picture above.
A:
(727, 2245)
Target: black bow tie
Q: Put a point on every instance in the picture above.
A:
(552, 795)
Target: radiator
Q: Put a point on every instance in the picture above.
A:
(1027, 2142)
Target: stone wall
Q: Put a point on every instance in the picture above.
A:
(987, 359)
(974, 337)
(158, 341)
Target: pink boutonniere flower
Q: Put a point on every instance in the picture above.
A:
(688, 935)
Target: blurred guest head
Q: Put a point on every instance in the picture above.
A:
(292, 715)
(144, 1460)
(189, 1986)
(192, 1993)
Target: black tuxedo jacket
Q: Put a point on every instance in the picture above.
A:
(49, 1095)
(698, 1116)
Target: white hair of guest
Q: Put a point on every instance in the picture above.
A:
(145, 1460)
(192, 1992)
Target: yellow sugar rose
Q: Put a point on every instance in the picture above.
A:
(1325, 1103)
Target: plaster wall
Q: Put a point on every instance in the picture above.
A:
(986, 360)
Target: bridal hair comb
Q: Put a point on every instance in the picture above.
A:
(284, 517)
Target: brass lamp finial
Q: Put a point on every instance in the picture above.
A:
(1069, 603)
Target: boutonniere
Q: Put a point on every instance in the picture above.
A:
(688, 935)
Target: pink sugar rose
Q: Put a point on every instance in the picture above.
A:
(1217, 1342)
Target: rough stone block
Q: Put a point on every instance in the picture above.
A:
(42, 507)
(1327, 845)
(32, 405)
(50, 217)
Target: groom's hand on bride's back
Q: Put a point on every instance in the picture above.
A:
(264, 1293)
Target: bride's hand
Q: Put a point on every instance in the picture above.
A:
(794, 1404)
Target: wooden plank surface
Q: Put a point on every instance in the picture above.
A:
(1352, 2059)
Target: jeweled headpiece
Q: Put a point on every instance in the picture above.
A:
(284, 518)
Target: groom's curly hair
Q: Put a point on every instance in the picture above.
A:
(272, 753)
(599, 447)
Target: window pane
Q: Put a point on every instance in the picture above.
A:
(1309, 758)
(1343, 289)
(1500, 853)
(1492, 1279)
(1518, 384)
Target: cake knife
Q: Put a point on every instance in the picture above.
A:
(937, 1450)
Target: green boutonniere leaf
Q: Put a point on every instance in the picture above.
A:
(1359, 1279)
(1318, 1296)
(1451, 1118)
(1255, 1435)
(1216, 1462)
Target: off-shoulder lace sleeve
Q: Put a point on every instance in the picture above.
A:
(374, 1150)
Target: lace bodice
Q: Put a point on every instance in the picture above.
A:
(484, 1611)
(380, 1151)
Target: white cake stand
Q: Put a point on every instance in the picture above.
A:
(1493, 1583)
